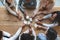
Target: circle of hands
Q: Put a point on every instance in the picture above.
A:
(30, 21)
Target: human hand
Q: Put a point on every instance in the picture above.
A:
(40, 19)
(39, 23)
(19, 15)
(35, 11)
(23, 26)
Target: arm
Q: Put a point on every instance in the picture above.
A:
(34, 34)
(16, 34)
(3, 1)
(47, 16)
(17, 4)
(21, 8)
(43, 18)
(50, 6)
(50, 25)
(6, 34)
(20, 5)
(10, 10)
(37, 6)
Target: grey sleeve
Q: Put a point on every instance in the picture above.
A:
(47, 16)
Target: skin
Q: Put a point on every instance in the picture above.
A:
(30, 28)
(43, 28)
(9, 1)
(46, 3)
(18, 12)
(54, 15)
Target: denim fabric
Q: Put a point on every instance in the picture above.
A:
(42, 36)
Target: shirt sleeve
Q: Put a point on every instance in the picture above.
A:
(50, 25)
(4, 38)
(10, 10)
(38, 4)
(6, 34)
(33, 33)
(17, 4)
(47, 16)
(16, 34)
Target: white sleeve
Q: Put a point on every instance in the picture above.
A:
(47, 16)
(4, 38)
(10, 10)
(16, 34)
(17, 3)
(50, 25)
(6, 34)
(34, 34)
(38, 4)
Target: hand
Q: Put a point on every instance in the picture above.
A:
(40, 19)
(23, 26)
(33, 16)
(18, 13)
(35, 12)
(30, 31)
(25, 13)
(39, 23)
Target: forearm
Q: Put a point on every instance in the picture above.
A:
(34, 34)
(50, 25)
(6, 34)
(37, 6)
(47, 16)
(16, 34)
(10, 10)
(50, 6)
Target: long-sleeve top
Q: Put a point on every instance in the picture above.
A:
(14, 37)
(49, 25)
(8, 8)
